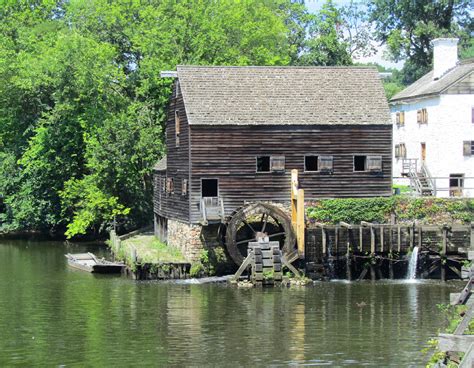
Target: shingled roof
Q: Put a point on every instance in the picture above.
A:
(283, 95)
(161, 165)
(426, 86)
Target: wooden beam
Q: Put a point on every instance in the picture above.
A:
(294, 195)
(443, 253)
(300, 222)
(451, 342)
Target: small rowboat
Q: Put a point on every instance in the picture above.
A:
(90, 263)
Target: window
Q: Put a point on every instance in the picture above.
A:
(359, 163)
(401, 118)
(400, 150)
(422, 116)
(325, 164)
(468, 148)
(184, 187)
(209, 188)
(270, 163)
(368, 163)
(472, 115)
(310, 163)
(169, 185)
(177, 126)
(263, 164)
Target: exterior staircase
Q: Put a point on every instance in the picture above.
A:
(421, 181)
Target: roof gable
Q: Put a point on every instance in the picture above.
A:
(426, 86)
(283, 95)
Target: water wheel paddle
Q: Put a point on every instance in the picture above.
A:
(257, 220)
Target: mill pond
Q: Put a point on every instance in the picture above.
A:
(51, 315)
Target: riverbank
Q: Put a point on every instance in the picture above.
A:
(147, 258)
(455, 346)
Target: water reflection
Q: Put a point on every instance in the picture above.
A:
(52, 315)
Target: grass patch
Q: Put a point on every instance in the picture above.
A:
(151, 250)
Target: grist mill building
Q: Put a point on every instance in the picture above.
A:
(233, 134)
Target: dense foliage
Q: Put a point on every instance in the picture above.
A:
(407, 28)
(82, 104)
(379, 210)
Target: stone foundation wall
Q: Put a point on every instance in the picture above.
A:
(185, 237)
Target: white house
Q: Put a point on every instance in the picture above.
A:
(433, 135)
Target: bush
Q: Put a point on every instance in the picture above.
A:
(379, 210)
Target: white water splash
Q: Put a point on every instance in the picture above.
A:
(411, 274)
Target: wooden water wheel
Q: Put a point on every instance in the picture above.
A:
(258, 220)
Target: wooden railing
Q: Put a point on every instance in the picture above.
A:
(212, 209)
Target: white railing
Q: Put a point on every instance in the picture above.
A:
(444, 186)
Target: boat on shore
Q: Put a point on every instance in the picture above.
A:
(90, 263)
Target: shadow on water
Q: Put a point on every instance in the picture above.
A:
(51, 315)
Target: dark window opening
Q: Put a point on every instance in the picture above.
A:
(359, 163)
(263, 164)
(209, 188)
(311, 163)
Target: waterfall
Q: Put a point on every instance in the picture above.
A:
(330, 262)
(411, 274)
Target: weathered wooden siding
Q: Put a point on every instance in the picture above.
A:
(175, 205)
(229, 153)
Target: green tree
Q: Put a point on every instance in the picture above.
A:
(407, 28)
(82, 103)
(325, 43)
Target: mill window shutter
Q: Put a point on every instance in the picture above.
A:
(402, 118)
(374, 163)
(418, 116)
(404, 151)
(325, 163)
(425, 116)
(398, 118)
(467, 148)
(277, 163)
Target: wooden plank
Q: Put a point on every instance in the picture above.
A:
(247, 262)
(443, 253)
(361, 239)
(372, 240)
(290, 266)
(468, 359)
(300, 222)
(381, 238)
(465, 292)
(451, 342)
(465, 321)
(324, 241)
(399, 238)
(294, 194)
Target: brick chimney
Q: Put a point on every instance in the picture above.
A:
(445, 55)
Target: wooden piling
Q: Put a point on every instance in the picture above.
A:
(443, 253)
(348, 251)
(399, 238)
(381, 238)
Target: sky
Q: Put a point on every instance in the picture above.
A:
(314, 5)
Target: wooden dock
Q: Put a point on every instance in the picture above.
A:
(369, 250)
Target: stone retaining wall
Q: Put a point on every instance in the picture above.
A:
(186, 238)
